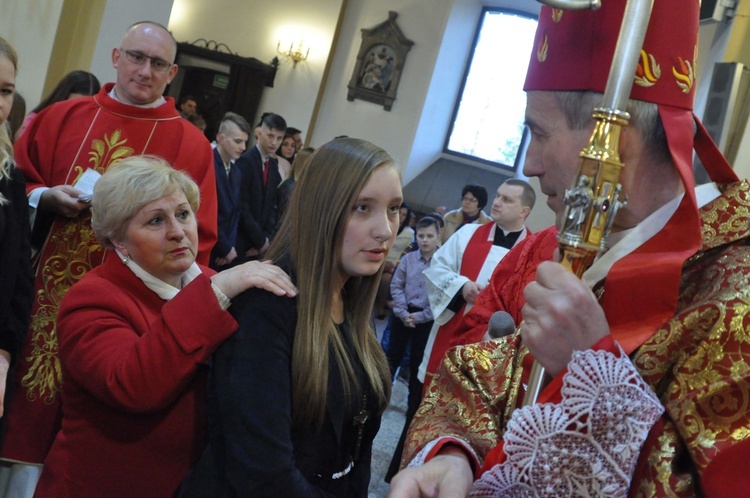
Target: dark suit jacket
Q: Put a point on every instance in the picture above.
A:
(228, 190)
(254, 447)
(16, 277)
(258, 218)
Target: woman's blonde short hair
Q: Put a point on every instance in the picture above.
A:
(128, 186)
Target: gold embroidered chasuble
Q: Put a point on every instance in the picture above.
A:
(61, 143)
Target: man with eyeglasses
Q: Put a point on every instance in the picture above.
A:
(65, 142)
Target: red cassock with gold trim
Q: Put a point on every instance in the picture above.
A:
(61, 143)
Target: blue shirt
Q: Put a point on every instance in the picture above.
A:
(408, 287)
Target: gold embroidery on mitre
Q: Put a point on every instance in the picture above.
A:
(684, 72)
(541, 53)
(695, 58)
(557, 15)
(648, 71)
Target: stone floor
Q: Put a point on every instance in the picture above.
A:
(390, 430)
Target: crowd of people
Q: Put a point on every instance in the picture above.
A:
(146, 244)
(196, 319)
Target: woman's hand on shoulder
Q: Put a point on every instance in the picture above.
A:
(263, 275)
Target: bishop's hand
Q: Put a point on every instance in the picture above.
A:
(561, 315)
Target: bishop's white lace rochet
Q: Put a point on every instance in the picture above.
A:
(587, 445)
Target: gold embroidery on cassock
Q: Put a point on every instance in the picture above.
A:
(109, 151)
(71, 250)
(670, 479)
(698, 363)
(490, 373)
(74, 246)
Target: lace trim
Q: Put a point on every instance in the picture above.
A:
(438, 293)
(588, 445)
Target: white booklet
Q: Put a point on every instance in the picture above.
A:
(86, 184)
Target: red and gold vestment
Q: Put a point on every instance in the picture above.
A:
(698, 364)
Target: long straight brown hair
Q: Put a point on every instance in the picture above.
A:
(311, 236)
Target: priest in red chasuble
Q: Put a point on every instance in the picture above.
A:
(59, 154)
(649, 352)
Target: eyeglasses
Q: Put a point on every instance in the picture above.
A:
(140, 58)
(469, 199)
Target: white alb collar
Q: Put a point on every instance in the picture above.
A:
(160, 287)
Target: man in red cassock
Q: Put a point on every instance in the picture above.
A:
(649, 352)
(67, 141)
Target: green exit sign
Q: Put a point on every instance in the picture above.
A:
(221, 81)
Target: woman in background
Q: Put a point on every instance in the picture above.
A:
(135, 335)
(299, 390)
(16, 284)
(285, 155)
(473, 200)
(284, 193)
(75, 84)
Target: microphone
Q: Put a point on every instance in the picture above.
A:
(500, 325)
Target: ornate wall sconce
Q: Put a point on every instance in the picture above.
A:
(296, 55)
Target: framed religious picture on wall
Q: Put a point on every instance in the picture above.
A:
(380, 61)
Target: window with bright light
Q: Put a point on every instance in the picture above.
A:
(488, 119)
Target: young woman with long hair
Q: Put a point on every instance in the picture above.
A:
(73, 85)
(299, 390)
(16, 291)
(285, 154)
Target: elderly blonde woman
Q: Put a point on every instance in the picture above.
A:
(135, 334)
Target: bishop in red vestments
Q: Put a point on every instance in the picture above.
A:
(649, 352)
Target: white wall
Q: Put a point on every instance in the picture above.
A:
(712, 44)
(421, 21)
(445, 83)
(253, 29)
(118, 15)
(447, 76)
(31, 27)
